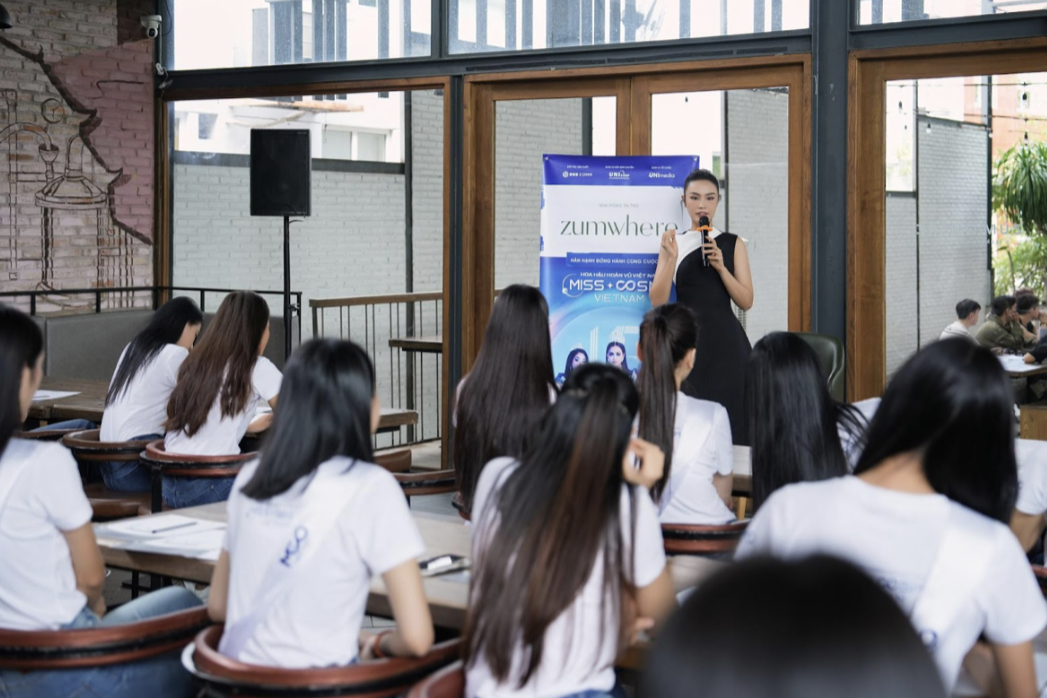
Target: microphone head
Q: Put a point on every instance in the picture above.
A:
(704, 222)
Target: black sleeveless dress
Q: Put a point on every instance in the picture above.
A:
(723, 347)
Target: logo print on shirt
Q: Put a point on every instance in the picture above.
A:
(294, 548)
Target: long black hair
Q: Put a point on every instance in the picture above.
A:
(324, 411)
(625, 354)
(765, 628)
(221, 364)
(793, 419)
(952, 403)
(507, 391)
(21, 343)
(667, 333)
(165, 327)
(568, 368)
(555, 514)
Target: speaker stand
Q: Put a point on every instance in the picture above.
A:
(289, 310)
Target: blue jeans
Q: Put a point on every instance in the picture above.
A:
(156, 677)
(616, 692)
(68, 424)
(129, 476)
(182, 492)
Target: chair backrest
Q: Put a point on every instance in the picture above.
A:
(184, 465)
(459, 505)
(46, 434)
(680, 539)
(832, 357)
(398, 461)
(427, 482)
(88, 345)
(101, 646)
(85, 446)
(374, 679)
(449, 682)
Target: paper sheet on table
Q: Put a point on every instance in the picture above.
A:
(156, 527)
(202, 544)
(41, 395)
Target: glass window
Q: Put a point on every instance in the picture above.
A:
(242, 33)
(367, 127)
(885, 11)
(499, 25)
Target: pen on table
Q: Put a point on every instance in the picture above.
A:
(171, 528)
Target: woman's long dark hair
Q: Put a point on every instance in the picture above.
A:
(165, 327)
(766, 628)
(553, 516)
(221, 363)
(325, 411)
(568, 369)
(507, 391)
(20, 345)
(625, 354)
(952, 403)
(667, 333)
(793, 419)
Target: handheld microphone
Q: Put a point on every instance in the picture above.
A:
(704, 227)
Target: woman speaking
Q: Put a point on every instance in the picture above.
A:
(707, 278)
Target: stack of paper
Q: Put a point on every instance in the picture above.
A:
(168, 534)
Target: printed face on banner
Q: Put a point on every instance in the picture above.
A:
(602, 223)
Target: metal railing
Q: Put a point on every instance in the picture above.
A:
(128, 297)
(407, 378)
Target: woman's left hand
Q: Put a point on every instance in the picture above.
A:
(713, 254)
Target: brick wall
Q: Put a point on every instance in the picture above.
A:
(77, 91)
(757, 200)
(953, 198)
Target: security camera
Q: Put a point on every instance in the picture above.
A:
(152, 25)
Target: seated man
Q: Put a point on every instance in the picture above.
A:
(967, 312)
(1001, 332)
(1028, 308)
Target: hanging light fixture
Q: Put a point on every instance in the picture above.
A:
(5, 18)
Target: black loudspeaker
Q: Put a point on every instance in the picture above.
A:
(280, 172)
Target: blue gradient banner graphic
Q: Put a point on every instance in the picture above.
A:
(602, 222)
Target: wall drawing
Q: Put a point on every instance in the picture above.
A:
(76, 174)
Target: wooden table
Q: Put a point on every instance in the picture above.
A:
(447, 595)
(429, 344)
(90, 404)
(1015, 367)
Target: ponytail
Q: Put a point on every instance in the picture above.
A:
(667, 333)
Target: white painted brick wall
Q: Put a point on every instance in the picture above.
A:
(428, 183)
(757, 200)
(900, 280)
(524, 131)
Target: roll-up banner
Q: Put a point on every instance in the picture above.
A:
(602, 222)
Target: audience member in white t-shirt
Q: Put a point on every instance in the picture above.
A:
(926, 513)
(220, 386)
(509, 388)
(562, 543)
(695, 435)
(290, 605)
(136, 405)
(766, 628)
(1028, 520)
(795, 424)
(53, 574)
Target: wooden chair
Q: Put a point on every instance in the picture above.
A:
(44, 650)
(107, 504)
(459, 506)
(222, 676)
(449, 682)
(415, 482)
(182, 465)
(682, 539)
(46, 434)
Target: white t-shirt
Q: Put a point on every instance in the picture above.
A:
(957, 329)
(702, 448)
(1032, 476)
(894, 536)
(576, 655)
(318, 623)
(43, 498)
(141, 409)
(218, 435)
(849, 440)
